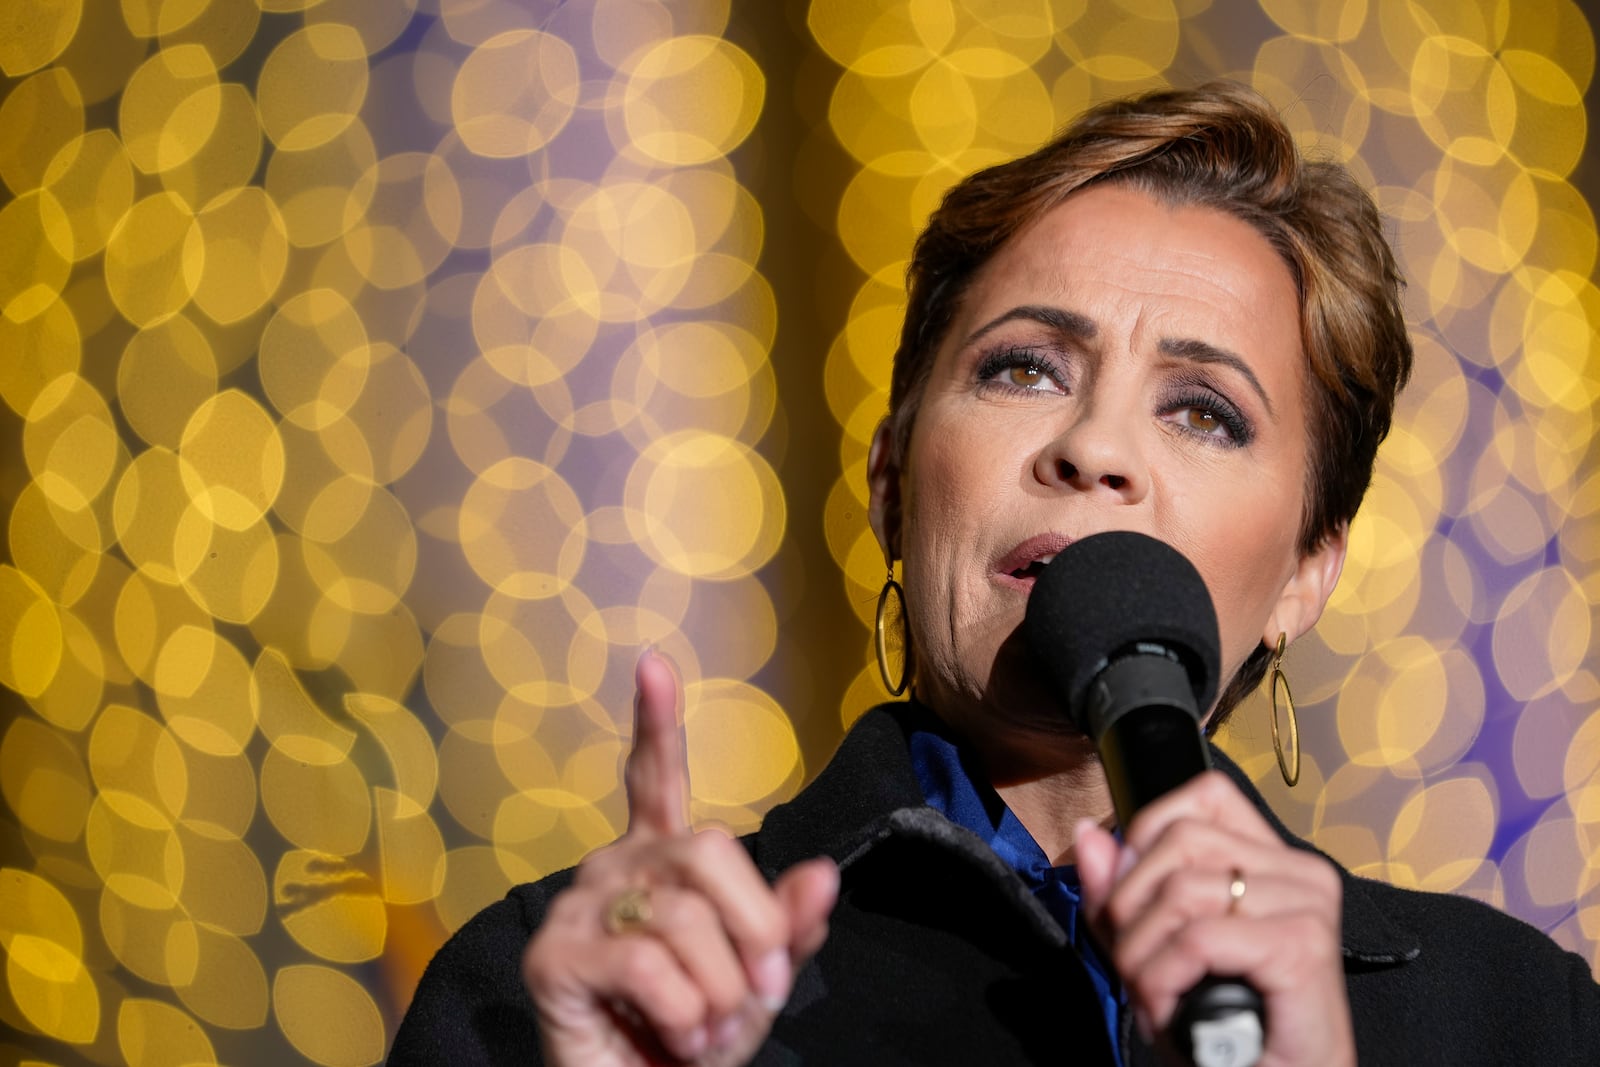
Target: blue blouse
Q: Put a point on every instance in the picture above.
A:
(967, 800)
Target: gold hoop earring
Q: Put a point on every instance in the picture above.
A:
(880, 636)
(1290, 769)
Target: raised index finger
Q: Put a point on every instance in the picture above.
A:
(657, 773)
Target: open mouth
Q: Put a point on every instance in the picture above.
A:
(1032, 569)
(1024, 563)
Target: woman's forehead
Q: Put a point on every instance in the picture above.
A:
(1115, 247)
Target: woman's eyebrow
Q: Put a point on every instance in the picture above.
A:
(1067, 323)
(1197, 351)
(1078, 327)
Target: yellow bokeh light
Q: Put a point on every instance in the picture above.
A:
(170, 108)
(741, 745)
(1547, 97)
(155, 259)
(130, 754)
(228, 987)
(223, 880)
(246, 252)
(53, 340)
(1542, 634)
(332, 910)
(566, 662)
(40, 117)
(31, 635)
(91, 178)
(406, 212)
(314, 358)
(34, 271)
(33, 32)
(369, 563)
(44, 783)
(71, 444)
(166, 373)
(44, 944)
(410, 849)
(54, 991)
(407, 744)
(706, 505)
(149, 506)
(133, 850)
(312, 186)
(56, 547)
(73, 696)
(152, 1032)
(291, 719)
(226, 159)
(514, 93)
(1442, 833)
(233, 459)
(327, 1016)
(202, 686)
(1122, 41)
(147, 612)
(521, 527)
(224, 27)
(1312, 20)
(312, 86)
(692, 99)
(322, 807)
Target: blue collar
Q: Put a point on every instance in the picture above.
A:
(955, 786)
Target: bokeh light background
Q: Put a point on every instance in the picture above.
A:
(378, 377)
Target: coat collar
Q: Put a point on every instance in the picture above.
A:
(868, 793)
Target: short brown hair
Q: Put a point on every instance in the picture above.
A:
(1221, 146)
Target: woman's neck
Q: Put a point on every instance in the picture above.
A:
(1049, 782)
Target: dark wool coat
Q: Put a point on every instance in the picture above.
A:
(937, 953)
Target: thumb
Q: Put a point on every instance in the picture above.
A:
(1098, 856)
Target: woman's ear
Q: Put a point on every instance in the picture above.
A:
(883, 481)
(1309, 587)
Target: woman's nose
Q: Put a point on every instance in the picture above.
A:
(1097, 452)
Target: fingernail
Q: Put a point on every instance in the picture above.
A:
(727, 1031)
(1126, 861)
(696, 1043)
(772, 978)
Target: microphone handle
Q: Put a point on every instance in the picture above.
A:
(1141, 714)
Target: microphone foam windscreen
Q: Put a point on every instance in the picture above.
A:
(1111, 591)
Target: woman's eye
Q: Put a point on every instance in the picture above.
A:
(1210, 419)
(1204, 420)
(1028, 376)
(1017, 369)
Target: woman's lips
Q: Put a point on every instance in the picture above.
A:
(1018, 568)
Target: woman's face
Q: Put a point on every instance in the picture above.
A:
(1118, 365)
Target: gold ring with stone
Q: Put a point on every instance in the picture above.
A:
(629, 911)
(1235, 891)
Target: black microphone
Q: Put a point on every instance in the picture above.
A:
(1124, 627)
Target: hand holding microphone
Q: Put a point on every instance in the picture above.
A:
(1226, 938)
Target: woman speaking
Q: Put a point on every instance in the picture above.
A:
(1165, 321)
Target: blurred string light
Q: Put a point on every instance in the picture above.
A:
(384, 375)
(381, 376)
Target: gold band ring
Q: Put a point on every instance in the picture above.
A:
(1235, 891)
(629, 911)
